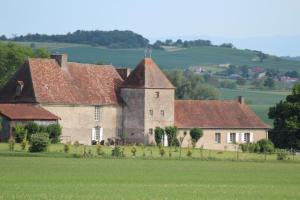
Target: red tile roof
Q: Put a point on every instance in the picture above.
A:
(147, 75)
(215, 114)
(82, 84)
(78, 84)
(26, 112)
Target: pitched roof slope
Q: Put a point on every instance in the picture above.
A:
(81, 84)
(215, 114)
(147, 75)
(8, 92)
(26, 112)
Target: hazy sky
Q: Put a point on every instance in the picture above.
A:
(239, 21)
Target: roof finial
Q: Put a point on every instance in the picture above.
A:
(148, 52)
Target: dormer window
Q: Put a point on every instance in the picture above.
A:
(19, 88)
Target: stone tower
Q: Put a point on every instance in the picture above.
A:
(148, 102)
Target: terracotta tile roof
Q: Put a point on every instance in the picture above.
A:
(147, 75)
(215, 114)
(47, 82)
(26, 112)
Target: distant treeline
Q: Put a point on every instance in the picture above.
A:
(187, 44)
(111, 39)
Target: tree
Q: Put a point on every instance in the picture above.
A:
(241, 81)
(12, 56)
(286, 115)
(269, 82)
(159, 133)
(196, 134)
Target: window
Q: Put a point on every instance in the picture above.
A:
(97, 113)
(246, 137)
(19, 88)
(97, 133)
(232, 138)
(157, 94)
(162, 113)
(151, 112)
(217, 137)
(151, 131)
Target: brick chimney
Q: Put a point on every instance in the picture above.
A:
(241, 99)
(61, 59)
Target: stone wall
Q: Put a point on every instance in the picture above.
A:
(133, 114)
(208, 138)
(78, 121)
(162, 108)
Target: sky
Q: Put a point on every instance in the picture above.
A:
(268, 25)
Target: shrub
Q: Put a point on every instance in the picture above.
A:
(19, 133)
(281, 155)
(66, 148)
(99, 150)
(265, 146)
(162, 152)
(11, 143)
(54, 131)
(171, 133)
(196, 134)
(159, 132)
(189, 153)
(39, 142)
(133, 151)
(32, 128)
(24, 142)
(117, 152)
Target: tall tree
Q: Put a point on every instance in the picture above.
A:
(286, 115)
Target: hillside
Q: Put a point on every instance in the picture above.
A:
(168, 58)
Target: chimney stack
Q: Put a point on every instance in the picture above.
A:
(241, 99)
(61, 59)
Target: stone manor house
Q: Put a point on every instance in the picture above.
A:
(94, 103)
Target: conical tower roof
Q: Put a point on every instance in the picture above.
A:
(147, 75)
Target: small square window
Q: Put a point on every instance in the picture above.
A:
(162, 113)
(151, 112)
(151, 131)
(157, 94)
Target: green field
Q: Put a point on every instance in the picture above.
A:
(69, 178)
(180, 58)
(259, 101)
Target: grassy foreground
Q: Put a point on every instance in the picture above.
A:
(69, 178)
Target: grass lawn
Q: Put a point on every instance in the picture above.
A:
(70, 178)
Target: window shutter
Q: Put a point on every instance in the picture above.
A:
(101, 134)
(242, 138)
(165, 140)
(251, 137)
(228, 138)
(93, 134)
(237, 137)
